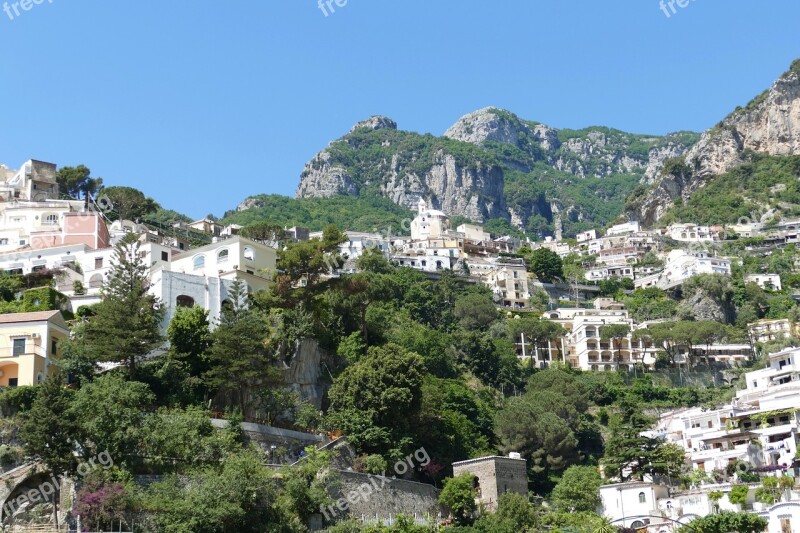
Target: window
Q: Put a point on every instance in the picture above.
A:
(12, 382)
(50, 220)
(165, 256)
(249, 254)
(184, 301)
(3, 242)
(642, 497)
(53, 348)
(98, 262)
(19, 347)
(199, 262)
(222, 256)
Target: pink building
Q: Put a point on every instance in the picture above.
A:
(87, 228)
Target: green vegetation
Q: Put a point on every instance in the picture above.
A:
(531, 183)
(354, 214)
(744, 193)
(725, 522)
(408, 363)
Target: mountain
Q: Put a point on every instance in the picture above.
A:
(493, 166)
(768, 125)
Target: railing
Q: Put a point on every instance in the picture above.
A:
(29, 350)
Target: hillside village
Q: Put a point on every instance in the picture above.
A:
(705, 306)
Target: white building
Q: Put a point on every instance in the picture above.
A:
(770, 282)
(631, 505)
(623, 229)
(429, 223)
(602, 273)
(682, 265)
(35, 181)
(689, 233)
(586, 236)
(716, 438)
(234, 258)
(356, 244)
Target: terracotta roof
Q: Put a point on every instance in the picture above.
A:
(38, 316)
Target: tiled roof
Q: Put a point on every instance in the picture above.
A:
(37, 316)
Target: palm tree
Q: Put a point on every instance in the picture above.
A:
(605, 526)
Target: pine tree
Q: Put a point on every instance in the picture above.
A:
(126, 323)
(49, 430)
(239, 359)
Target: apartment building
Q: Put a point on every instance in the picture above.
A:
(35, 181)
(689, 233)
(769, 330)
(759, 427)
(623, 229)
(204, 276)
(508, 280)
(682, 265)
(29, 343)
(40, 225)
(770, 282)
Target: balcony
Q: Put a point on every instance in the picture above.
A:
(30, 349)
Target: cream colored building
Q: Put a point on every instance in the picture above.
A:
(234, 258)
(769, 330)
(29, 342)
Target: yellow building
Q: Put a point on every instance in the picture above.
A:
(29, 342)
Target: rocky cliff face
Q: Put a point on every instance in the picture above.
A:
(770, 124)
(491, 124)
(491, 164)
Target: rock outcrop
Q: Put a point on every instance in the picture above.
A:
(465, 172)
(323, 177)
(770, 124)
(489, 124)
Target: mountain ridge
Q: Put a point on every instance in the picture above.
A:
(492, 164)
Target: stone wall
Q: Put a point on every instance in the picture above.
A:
(288, 444)
(373, 498)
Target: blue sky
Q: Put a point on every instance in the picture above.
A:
(201, 103)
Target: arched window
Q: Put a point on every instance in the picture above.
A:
(199, 262)
(642, 498)
(249, 254)
(50, 219)
(637, 524)
(222, 256)
(184, 301)
(96, 281)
